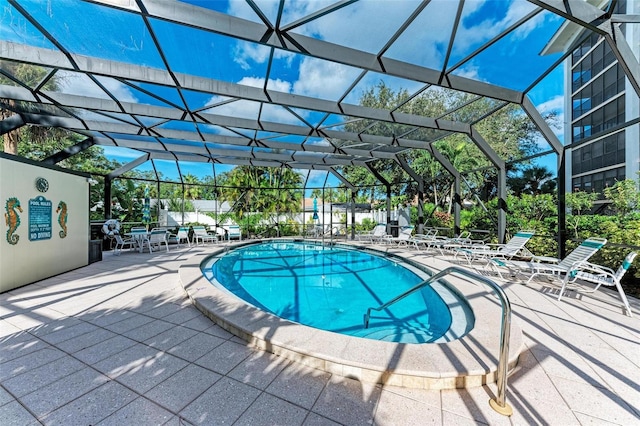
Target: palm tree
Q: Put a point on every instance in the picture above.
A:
(192, 188)
(533, 180)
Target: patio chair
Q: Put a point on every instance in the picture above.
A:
(441, 242)
(157, 237)
(367, 236)
(514, 247)
(600, 275)
(182, 235)
(565, 268)
(234, 232)
(404, 237)
(122, 243)
(200, 234)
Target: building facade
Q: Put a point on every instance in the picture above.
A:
(599, 101)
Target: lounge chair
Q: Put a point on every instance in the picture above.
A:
(200, 234)
(514, 247)
(601, 275)
(462, 241)
(429, 235)
(560, 268)
(367, 236)
(313, 231)
(404, 237)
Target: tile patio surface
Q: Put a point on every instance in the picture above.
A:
(118, 343)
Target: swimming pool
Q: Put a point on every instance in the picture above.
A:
(331, 287)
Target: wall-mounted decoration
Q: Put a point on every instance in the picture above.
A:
(40, 213)
(62, 218)
(12, 219)
(42, 184)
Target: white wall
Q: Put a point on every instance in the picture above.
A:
(30, 260)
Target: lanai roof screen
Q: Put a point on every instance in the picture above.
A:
(284, 83)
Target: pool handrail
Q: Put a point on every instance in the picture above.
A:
(499, 404)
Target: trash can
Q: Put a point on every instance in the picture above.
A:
(394, 228)
(97, 234)
(95, 251)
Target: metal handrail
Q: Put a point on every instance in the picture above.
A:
(499, 404)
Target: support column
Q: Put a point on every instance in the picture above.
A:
(502, 204)
(562, 213)
(387, 185)
(107, 198)
(421, 208)
(158, 206)
(457, 204)
(353, 215)
(403, 163)
(388, 209)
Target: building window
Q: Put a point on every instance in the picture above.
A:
(597, 182)
(604, 152)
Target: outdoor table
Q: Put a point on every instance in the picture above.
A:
(140, 237)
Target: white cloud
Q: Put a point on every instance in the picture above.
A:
(556, 105)
(480, 32)
(469, 71)
(250, 109)
(316, 178)
(368, 30)
(246, 52)
(79, 84)
(324, 79)
(553, 104)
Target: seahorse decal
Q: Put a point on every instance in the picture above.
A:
(12, 219)
(62, 218)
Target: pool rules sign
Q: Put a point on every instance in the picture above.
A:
(40, 214)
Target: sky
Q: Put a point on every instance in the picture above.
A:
(371, 23)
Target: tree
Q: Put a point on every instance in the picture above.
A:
(624, 197)
(533, 180)
(579, 202)
(266, 190)
(509, 131)
(192, 187)
(29, 76)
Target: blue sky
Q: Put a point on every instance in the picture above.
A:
(371, 23)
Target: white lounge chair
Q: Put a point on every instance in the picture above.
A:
(429, 235)
(600, 275)
(462, 241)
(404, 237)
(560, 268)
(514, 247)
(200, 234)
(368, 236)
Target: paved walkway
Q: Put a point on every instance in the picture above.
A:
(117, 343)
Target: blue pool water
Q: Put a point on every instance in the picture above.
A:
(331, 287)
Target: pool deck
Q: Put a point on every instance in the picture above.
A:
(118, 342)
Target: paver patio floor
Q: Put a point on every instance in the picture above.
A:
(117, 342)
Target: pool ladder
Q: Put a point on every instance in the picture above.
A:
(499, 404)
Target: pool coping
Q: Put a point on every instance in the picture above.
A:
(467, 362)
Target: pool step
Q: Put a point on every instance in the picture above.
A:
(392, 334)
